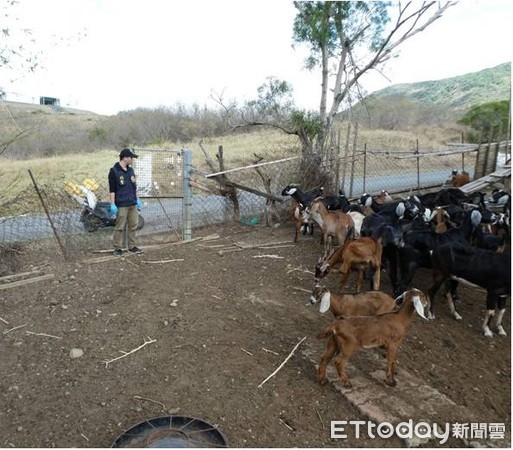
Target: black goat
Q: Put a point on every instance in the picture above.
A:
(419, 243)
(489, 270)
(303, 198)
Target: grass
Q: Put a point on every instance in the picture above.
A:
(238, 150)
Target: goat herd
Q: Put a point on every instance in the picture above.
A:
(458, 236)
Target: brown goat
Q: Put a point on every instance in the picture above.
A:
(301, 222)
(364, 303)
(355, 255)
(348, 334)
(336, 224)
(459, 179)
(441, 219)
(383, 197)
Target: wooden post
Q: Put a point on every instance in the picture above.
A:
(229, 191)
(187, 195)
(418, 163)
(61, 246)
(364, 166)
(346, 151)
(337, 164)
(355, 139)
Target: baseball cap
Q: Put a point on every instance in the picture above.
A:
(127, 152)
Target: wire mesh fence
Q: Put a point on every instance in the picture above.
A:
(52, 215)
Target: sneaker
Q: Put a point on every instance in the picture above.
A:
(136, 250)
(118, 252)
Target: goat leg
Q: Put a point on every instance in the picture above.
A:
(331, 350)
(340, 363)
(486, 324)
(498, 323)
(359, 280)
(343, 280)
(452, 305)
(376, 279)
(391, 357)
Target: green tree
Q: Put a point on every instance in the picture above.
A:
(350, 38)
(489, 120)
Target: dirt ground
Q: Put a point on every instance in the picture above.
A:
(217, 317)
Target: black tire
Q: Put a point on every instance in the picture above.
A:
(91, 223)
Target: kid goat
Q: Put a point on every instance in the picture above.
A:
(364, 303)
(348, 334)
(332, 223)
(355, 255)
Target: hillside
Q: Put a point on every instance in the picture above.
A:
(458, 93)
(9, 107)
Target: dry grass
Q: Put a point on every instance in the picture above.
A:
(238, 150)
(14, 176)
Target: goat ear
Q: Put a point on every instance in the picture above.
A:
(399, 299)
(419, 307)
(400, 209)
(325, 302)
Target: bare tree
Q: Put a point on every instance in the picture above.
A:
(346, 40)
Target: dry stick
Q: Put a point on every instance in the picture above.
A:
(269, 256)
(282, 364)
(162, 261)
(150, 341)
(137, 397)
(270, 351)
(4, 321)
(43, 334)
(15, 328)
(301, 289)
(320, 418)
(286, 424)
(26, 281)
(19, 275)
(61, 246)
(245, 351)
(301, 270)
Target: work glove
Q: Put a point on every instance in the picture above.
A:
(139, 204)
(113, 209)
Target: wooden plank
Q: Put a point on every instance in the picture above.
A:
(19, 275)
(27, 281)
(484, 182)
(216, 174)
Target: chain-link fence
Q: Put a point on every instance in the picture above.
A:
(53, 215)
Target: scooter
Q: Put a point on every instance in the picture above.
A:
(95, 214)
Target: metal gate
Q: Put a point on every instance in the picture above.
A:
(162, 185)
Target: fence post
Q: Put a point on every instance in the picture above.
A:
(364, 166)
(418, 164)
(187, 195)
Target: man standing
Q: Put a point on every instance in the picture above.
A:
(124, 202)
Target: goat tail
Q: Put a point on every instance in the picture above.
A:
(326, 332)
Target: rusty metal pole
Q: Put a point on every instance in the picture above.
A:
(61, 246)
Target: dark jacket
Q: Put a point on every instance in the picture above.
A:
(122, 183)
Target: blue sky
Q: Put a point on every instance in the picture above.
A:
(112, 55)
